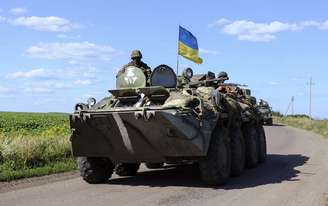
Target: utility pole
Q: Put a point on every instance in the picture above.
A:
(293, 105)
(310, 98)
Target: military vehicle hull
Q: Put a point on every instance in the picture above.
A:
(157, 122)
(134, 136)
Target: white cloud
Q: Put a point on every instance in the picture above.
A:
(310, 23)
(324, 25)
(37, 90)
(18, 11)
(3, 19)
(207, 51)
(48, 23)
(65, 36)
(51, 76)
(220, 22)
(35, 73)
(54, 84)
(263, 32)
(39, 81)
(257, 38)
(273, 83)
(5, 90)
(72, 51)
(83, 82)
(248, 30)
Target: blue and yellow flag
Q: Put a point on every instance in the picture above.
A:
(188, 46)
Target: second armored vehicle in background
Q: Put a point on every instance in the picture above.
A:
(265, 112)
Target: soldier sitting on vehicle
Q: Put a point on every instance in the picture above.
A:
(184, 79)
(223, 76)
(136, 57)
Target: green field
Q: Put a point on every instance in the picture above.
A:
(304, 122)
(33, 144)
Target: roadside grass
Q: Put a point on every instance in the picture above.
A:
(34, 144)
(317, 126)
(8, 174)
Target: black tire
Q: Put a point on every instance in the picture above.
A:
(250, 135)
(95, 170)
(269, 122)
(127, 169)
(216, 168)
(262, 147)
(237, 152)
(155, 165)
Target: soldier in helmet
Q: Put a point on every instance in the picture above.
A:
(223, 76)
(136, 57)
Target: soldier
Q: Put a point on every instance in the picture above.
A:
(136, 57)
(184, 79)
(223, 76)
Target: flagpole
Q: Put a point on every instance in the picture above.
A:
(178, 64)
(178, 52)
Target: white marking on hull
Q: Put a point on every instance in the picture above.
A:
(124, 132)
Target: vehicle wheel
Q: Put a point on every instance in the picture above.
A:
(237, 152)
(216, 168)
(262, 148)
(95, 170)
(154, 165)
(127, 169)
(269, 122)
(250, 136)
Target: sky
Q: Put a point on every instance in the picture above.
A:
(57, 53)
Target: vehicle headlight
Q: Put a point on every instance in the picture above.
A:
(91, 102)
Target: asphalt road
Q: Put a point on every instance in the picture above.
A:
(295, 174)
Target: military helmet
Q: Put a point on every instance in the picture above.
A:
(223, 75)
(136, 54)
(188, 73)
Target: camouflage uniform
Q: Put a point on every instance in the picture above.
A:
(183, 81)
(136, 57)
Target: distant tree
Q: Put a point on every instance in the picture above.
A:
(299, 115)
(277, 114)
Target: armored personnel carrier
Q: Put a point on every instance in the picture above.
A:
(265, 112)
(165, 119)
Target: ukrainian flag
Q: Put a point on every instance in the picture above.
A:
(188, 46)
